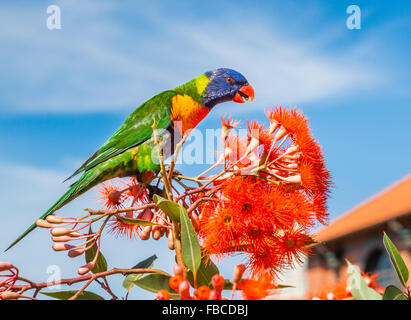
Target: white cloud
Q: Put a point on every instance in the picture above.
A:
(97, 62)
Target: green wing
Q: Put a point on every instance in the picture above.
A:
(135, 130)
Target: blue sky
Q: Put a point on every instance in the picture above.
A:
(64, 92)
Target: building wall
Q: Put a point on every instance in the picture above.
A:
(365, 249)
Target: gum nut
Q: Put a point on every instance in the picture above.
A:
(178, 270)
(156, 234)
(43, 224)
(86, 268)
(5, 266)
(170, 241)
(60, 231)
(76, 252)
(62, 239)
(8, 295)
(54, 218)
(61, 246)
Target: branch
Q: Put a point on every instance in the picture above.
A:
(88, 277)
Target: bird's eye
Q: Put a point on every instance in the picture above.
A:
(229, 80)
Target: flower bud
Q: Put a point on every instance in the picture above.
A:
(217, 281)
(54, 218)
(43, 224)
(62, 239)
(238, 273)
(5, 266)
(184, 290)
(115, 196)
(86, 268)
(76, 234)
(8, 295)
(174, 282)
(76, 252)
(156, 234)
(280, 133)
(178, 270)
(203, 293)
(62, 246)
(145, 234)
(163, 294)
(170, 241)
(214, 295)
(60, 232)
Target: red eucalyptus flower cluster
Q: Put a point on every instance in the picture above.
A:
(251, 289)
(274, 190)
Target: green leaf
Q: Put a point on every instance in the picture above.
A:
(359, 289)
(169, 207)
(146, 263)
(189, 243)
(204, 273)
(155, 282)
(393, 293)
(396, 260)
(128, 282)
(284, 286)
(65, 295)
(101, 263)
(138, 222)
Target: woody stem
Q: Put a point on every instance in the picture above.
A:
(178, 247)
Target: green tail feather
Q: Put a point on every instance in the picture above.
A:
(86, 182)
(118, 166)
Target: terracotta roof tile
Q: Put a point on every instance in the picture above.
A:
(391, 202)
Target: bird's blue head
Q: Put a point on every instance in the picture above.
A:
(225, 85)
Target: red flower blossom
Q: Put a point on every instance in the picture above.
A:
(228, 123)
(136, 191)
(295, 245)
(257, 289)
(306, 152)
(255, 217)
(111, 195)
(258, 132)
(123, 228)
(235, 149)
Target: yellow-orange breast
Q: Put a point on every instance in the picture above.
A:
(186, 113)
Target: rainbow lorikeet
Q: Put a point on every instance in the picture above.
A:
(128, 152)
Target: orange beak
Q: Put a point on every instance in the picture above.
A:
(245, 92)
